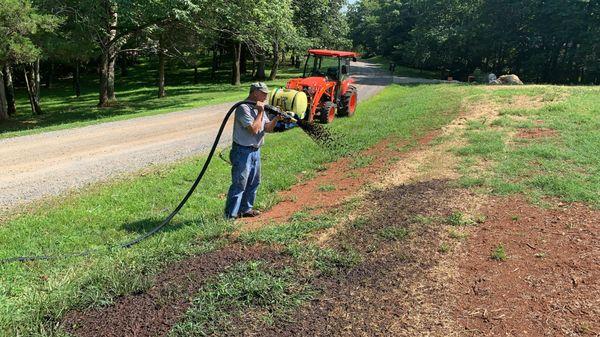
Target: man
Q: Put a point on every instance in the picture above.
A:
(250, 125)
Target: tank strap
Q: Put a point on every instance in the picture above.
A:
(273, 97)
(294, 99)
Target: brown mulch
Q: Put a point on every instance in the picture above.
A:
(154, 312)
(396, 289)
(550, 283)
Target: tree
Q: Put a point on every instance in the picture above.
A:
(110, 23)
(19, 22)
(553, 41)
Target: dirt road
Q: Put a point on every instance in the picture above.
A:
(52, 163)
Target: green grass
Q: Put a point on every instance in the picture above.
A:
(403, 70)
(564, 164)
(247, 290)
(326, 261)
(289, 232)
(393, 233)
(326, 188)
(34, 296)
(136, 97)
(362, 161)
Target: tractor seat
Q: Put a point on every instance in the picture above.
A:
(332, 73)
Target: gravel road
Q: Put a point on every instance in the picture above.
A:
(56, 162)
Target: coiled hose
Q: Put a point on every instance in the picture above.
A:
(154, 230)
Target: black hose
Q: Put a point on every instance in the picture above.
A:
(154, 230)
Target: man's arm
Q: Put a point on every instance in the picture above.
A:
(254, 128)
(256, 125)
(269, 127)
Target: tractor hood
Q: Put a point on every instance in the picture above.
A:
(307, 82)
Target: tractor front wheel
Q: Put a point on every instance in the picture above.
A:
(327, 112)
(349, 100)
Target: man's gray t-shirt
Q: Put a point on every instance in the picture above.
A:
(244, 117)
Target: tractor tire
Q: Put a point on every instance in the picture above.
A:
(327, 112)
(348, 102)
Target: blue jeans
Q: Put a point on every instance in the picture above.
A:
(245, 178)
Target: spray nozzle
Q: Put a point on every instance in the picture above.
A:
(288, 117)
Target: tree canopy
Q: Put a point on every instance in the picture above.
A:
(555, 41)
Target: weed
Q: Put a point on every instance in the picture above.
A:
(499, 253)
(458, 219)
(480, 219)
(326, 188)
(361, 161)
(458, 235)
(359, 222)
(423, 219)
(444, 248)
(515, 218)
(393, 233)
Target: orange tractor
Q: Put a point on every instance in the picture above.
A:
(325, 87)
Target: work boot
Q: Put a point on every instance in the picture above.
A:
(250, 214)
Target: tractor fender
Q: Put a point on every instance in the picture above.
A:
(316, 99)
(345, 84)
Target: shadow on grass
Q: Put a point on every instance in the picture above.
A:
(146, 225)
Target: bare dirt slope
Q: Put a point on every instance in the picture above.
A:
(436, 279)
(55, 162)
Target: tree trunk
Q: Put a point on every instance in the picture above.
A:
(9, 90)
(215, 63)
(196, 75)
(235, 69)
(109, 55)
(50, 76)
(76, 80)
(111, 77)
(275, 65)
(36, 109)
(37, 78)
(243, 63)
(123, 65)
(161, 69)
(260, 69)
(3, 105)
(104, 81)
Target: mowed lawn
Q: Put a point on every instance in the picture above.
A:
(136, 96)
(35, 295)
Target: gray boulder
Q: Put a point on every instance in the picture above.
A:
(508, 80)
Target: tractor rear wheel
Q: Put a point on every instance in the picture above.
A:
(349, 100)
(327, 112)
